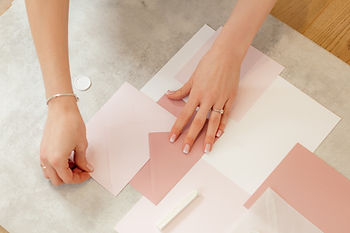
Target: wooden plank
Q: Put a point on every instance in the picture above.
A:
(2, 230)
(299, 14)
(331, 29)
(4, 5)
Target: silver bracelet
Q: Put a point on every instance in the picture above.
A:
(59, 95)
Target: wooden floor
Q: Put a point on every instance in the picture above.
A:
(326, 22)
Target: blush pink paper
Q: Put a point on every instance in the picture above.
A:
(118, 136)
(173, 106)
(220, 202)
(312, 187)
(167, 165)
(258, 71)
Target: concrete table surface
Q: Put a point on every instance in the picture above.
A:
(113, 41)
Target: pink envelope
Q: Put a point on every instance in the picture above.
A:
(220, 202)
(312, 187)
(258, 71)
(118, 136)
(167, 165)
(173, 106)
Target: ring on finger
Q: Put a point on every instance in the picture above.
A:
(42, 166)
(221, 111)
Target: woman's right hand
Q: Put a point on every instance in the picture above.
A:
(64, 132)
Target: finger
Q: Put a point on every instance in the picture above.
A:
(43, 168)
(196, 126)
(45, 173)
(80, 157)
(54, 178)
(49, 172)
(180, 93)
(214, 122)
(67, 175)
(224, 118)
(183, 118)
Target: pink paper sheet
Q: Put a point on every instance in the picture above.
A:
(118, 136)
(258, 71)
(167, 165)
(173, 106)
(313, 188)
(220, 202)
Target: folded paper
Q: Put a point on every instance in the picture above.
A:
(250, 149)
(219, 203)
(166, 166)
(118, 136)
(271, 214)
(313, 188)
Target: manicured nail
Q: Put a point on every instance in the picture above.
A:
(172, 138)
(90, 167)
(186, 149)
(207, 148)
(169, 92)
(219, 133)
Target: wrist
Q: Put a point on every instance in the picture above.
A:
(63, 104)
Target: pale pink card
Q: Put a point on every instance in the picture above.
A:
(258, 71)
(167, 165)
(313, 188)
(220, 202)
(118, 136)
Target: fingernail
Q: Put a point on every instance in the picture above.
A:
(207, 148)
(172, 138)
(186, 149)
(219, 133)
(169, 92)
(90, 167)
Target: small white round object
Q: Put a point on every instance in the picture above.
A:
(82, 83)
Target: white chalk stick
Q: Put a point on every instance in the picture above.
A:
(174, 212)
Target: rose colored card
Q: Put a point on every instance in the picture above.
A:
(118, 136)
(166, 166)
(220, 202)
(313, 188)
(172, 106)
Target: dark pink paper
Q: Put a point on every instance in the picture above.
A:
(313, 188)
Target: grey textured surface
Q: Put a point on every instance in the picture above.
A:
(113, 41)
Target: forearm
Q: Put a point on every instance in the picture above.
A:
(49, 25)
(241, 27)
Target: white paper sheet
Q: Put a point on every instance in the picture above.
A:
(250, 149)
(164, 80)
(271, 214)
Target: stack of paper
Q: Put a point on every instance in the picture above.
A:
(128, 142)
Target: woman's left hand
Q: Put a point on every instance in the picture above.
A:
(213, 86)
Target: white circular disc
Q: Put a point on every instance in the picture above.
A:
(82, 83)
